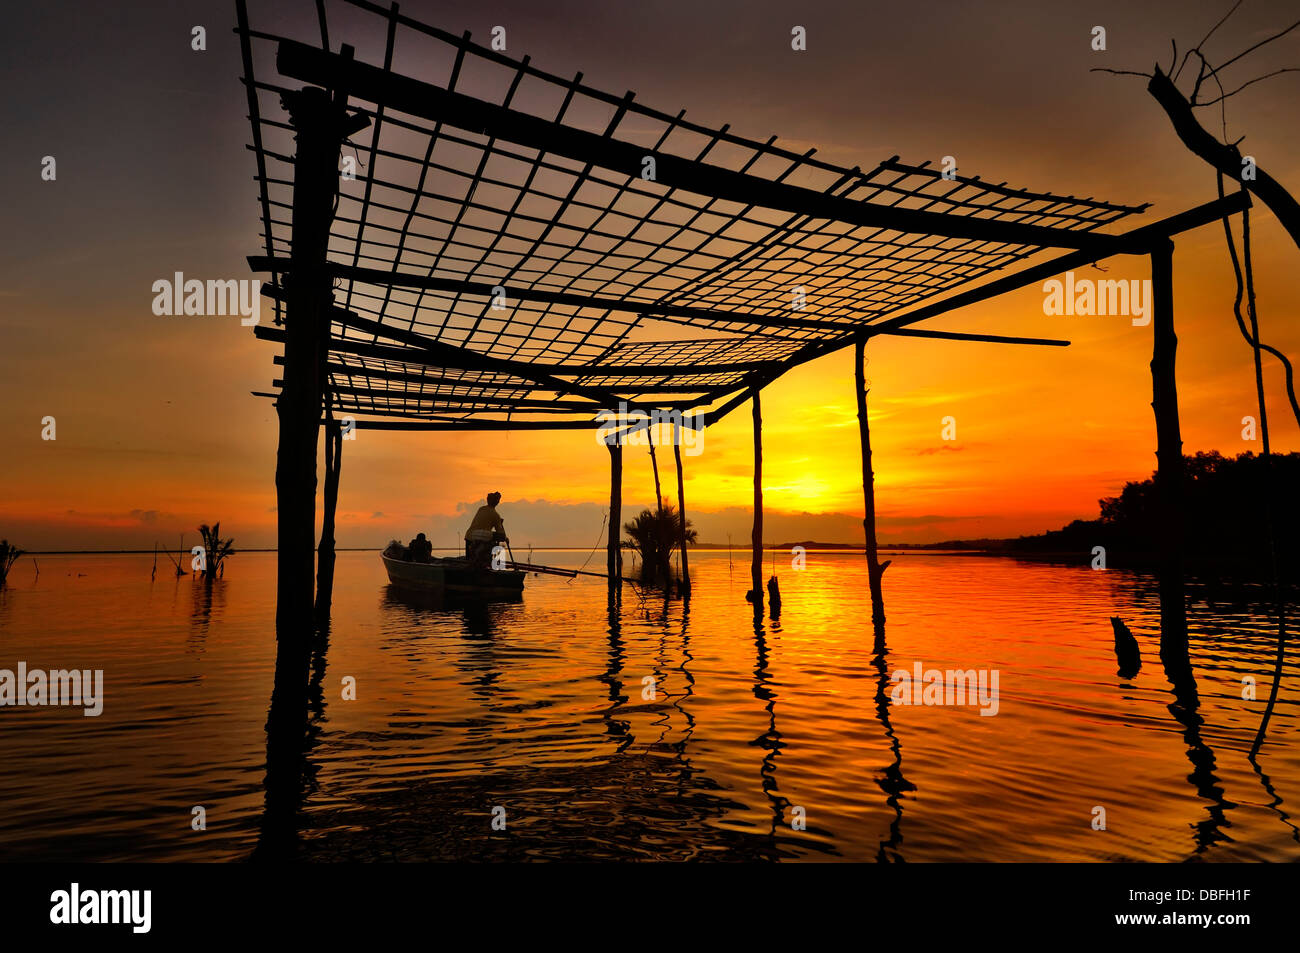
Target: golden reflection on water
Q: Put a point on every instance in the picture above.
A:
(774, 739)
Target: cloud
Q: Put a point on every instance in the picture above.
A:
(926, 520)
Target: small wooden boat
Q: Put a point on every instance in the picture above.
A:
(451, 575)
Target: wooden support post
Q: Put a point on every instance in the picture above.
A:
(681, 510)
(325, 552)
(756, 540)
(874, 569)
(1170, 471)
(614, 553)
(320, 125)
(317, 121)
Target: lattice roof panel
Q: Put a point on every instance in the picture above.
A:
(527, 217)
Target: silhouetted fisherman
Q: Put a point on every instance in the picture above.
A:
(486, 530)
(1126, 649)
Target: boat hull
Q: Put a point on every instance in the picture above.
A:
(453, 576)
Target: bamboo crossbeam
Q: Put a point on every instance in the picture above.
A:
(502, 365)
(487, 289)
(531, 405)
(416, 377)
(472, 424)
(1138, 241)
(246, 54)
(1001, 189)
(971, 336)
(433, 103)
(452, 356)
(374, 144)
(415, 358)
(464, 45)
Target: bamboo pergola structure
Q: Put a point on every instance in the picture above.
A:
(507, 248)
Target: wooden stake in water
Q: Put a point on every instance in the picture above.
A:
(756, 543)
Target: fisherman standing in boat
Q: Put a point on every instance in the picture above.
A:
(487, 530)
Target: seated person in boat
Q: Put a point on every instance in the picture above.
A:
(487, 530)
(420, 550)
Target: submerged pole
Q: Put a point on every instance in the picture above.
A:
(661, 544)
(325, 552)
(1170, 470)
(681, 510)
(614, 554)
(874, 569)
(756, 539)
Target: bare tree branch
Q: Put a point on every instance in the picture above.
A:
(1227, 159)
(1118, 72)
(1205, 39)
(1276, 36)
(1287, 69)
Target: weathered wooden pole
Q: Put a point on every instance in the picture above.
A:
(317, 121)
(325, 552)
(614, 553)
(1170, 471)
(756, 539)
(874, 569)
(681, 510)
(661, 543)
(321, 123)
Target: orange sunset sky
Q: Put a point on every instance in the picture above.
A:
(157, 430)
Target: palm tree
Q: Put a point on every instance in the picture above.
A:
(217, 549)
(8, 556)
(655, 536)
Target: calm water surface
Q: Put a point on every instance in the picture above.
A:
(538, 707)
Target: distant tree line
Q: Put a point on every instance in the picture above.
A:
(1230, 504)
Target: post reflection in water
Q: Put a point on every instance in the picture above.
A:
(770, 739)
(612, 675)
(293, 728)
(1185, 708)
(891, 781)
(1177, 664)
(681, 701)
(209, 599)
